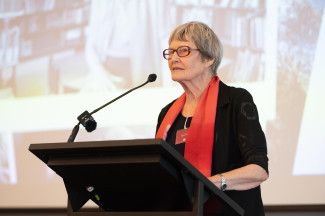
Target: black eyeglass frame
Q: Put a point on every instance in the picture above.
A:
(168, 56)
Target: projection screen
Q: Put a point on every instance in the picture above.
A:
(59, 58)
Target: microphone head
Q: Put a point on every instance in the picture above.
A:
(87, 121)
(152, 77)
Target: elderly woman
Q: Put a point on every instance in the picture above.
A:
(215, 126)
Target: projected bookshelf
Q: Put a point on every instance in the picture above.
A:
(32, 33)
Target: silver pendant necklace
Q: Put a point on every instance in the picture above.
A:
(185, 124)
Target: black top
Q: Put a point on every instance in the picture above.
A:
(238, 141)
(180, 123)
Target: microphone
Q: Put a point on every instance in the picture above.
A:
(152, 78)
(89, 122)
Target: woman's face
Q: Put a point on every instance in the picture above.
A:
(187, 68)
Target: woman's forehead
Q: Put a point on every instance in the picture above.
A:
(177, 43)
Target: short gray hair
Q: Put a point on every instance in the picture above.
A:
(204, 38)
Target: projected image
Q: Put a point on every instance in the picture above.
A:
(62, 48)
(58, 47)
(59, 58)
(7, 160)
(297, 52)
(311, 136)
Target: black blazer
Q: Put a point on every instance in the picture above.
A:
(239, 140)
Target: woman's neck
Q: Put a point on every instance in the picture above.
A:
(193, 90)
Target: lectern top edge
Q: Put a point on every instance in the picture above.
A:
(102, 143)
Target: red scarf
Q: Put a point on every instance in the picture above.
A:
(199, 141)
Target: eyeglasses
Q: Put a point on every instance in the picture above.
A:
(181, 51)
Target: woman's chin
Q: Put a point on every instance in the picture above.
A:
(178, 77)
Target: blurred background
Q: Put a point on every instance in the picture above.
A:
(59, 58)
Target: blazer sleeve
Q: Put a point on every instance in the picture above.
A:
(250, 136)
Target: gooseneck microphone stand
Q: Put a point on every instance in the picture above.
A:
(89, 122)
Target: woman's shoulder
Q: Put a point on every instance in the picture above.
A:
(232, 93)
(166, 108)
(164, 111)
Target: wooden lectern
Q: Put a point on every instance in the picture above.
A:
(132, 177)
